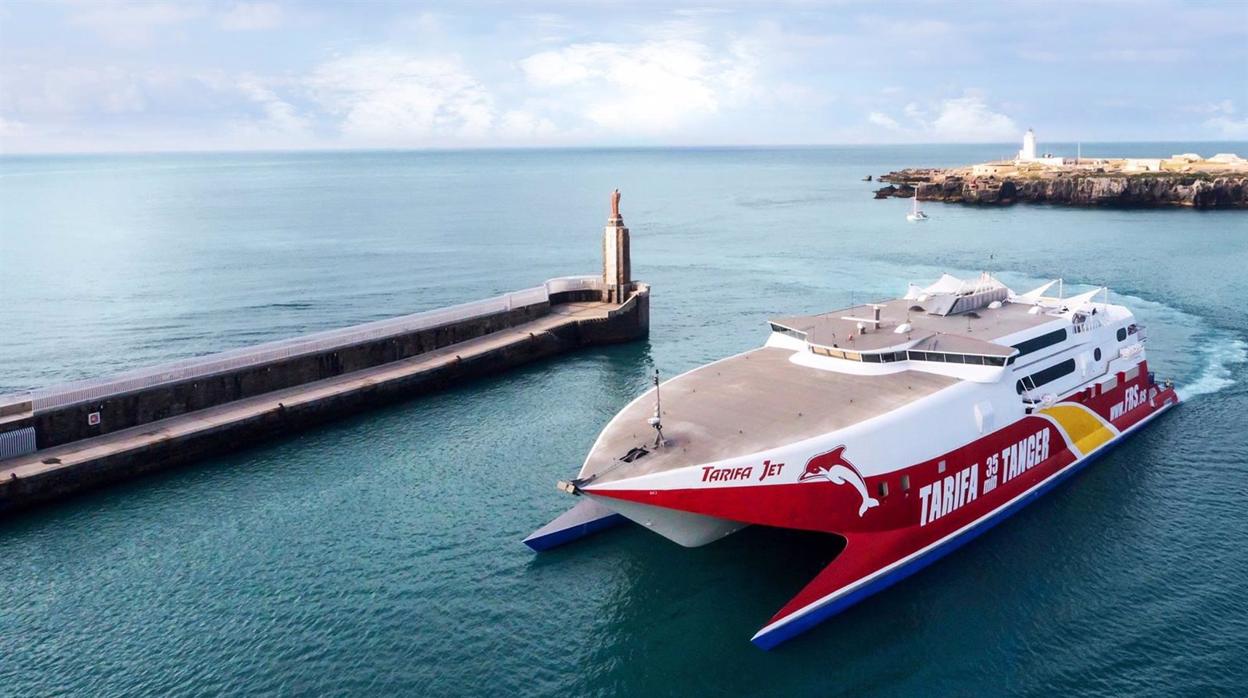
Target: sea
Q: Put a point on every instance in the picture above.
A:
(382, 555)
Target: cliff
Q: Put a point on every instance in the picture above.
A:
(1148, 189)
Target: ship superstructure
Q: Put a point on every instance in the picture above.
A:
(906, 426)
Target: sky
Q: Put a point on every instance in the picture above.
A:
(122, 75)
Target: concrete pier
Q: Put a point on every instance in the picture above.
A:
(65, 439)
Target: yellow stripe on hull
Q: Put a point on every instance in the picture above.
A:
(1085, 429)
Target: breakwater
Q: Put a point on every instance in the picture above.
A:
(65, 439)
(69, 438)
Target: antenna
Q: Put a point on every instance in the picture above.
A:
(657, 420)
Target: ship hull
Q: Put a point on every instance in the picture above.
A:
(905, 427)
(795, 622)
(898, 521)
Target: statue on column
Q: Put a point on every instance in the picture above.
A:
(616, 267)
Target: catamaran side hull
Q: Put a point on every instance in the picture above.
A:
(798, 622)
(586, 518)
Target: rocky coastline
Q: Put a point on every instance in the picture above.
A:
(1134, 190)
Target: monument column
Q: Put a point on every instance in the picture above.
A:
(616, 267)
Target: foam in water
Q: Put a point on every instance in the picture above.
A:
(1206, 371)
(1218, 359)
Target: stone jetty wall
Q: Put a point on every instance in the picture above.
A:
(1117, 190)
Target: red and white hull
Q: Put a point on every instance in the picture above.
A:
(950, 499)
(927, 458)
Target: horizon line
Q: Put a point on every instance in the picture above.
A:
(505, 148)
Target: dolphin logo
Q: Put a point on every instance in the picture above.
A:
(833, 467)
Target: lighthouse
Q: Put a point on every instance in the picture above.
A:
(1028, 153)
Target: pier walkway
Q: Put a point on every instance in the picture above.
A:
(145, 437)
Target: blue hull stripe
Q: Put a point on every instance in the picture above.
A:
(808, 620)
(567, 535)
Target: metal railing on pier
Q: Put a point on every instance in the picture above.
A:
(211, 364)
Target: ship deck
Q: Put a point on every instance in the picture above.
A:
(745, 404)
(973, 332)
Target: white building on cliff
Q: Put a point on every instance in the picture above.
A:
(1028, 153)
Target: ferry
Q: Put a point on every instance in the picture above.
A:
(907, 427)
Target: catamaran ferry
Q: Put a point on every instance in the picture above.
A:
(908, 427)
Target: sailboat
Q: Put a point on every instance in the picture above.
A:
(916, 214)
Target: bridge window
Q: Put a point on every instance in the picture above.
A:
(1027, 346)
(788, 331)
(1122, 333)
(1047, 375)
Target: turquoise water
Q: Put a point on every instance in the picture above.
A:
(382, 554)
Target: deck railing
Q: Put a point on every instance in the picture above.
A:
(1091, 322)
(211, 364)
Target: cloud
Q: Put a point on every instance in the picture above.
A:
(251, 16)
(1225, 106)
(391, 98)
(1227, 127)
(546, 28)
(38, 92)
(1145, 55)
(11, 128)
(281, 124)
(138, 22)
(1114, 103)
(658, 86)
(520, 124)
(1221, 119)
(882, 119)
(652, 87)
(911, 29)
(124, 22)
(956, 119)
(969, 119)
(14, 135)
(1040, 55)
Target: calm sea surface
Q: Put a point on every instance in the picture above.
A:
(382, 554)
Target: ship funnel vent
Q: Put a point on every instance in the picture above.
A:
(952, 296)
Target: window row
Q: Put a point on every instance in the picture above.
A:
(912, 355)
(1027, 346)
(1045, 375)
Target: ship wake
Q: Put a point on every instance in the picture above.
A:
(1219, 358)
